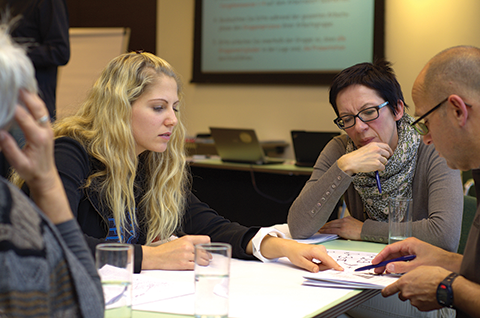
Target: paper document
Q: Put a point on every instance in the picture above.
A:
(318, 238)
(147, 289)
(348, 278)
(356, 280)
(314, 239)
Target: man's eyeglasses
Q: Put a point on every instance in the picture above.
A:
(365, 115)
(419, 125)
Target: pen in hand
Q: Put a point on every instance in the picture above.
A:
(377, 178)
(399, 259)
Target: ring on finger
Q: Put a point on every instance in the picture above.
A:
(43, 120)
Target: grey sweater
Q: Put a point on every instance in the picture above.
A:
(437, 199)
(47, 270)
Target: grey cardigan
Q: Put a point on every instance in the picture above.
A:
(437, 199)
(47, 270)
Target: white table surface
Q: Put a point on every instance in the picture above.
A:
(261, 289)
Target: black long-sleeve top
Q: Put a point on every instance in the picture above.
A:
(75, 165)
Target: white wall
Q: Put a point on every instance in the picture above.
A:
(415, 31)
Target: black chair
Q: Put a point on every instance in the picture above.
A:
(469, 210)
(468, 184)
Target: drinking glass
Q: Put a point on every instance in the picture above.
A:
(212, 273)
(114, 262)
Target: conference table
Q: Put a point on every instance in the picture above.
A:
(287, 168)
(271, 289)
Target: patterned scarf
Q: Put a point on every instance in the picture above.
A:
(396, 179)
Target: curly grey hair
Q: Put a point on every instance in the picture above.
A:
(16, 72)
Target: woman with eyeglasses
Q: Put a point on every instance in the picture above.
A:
(379, 137)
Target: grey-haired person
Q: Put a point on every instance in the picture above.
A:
(47, 269)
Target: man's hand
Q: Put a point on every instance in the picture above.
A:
(419, 286)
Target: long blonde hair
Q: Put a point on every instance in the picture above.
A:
(103, 126)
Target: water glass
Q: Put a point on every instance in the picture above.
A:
(212, 273)
(399, 219)
(114, 262)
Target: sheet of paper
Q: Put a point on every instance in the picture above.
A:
(361, 280)
(350, 260)
(148, 289)
(314, 239)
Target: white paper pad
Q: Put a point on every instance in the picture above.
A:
(314, 239)
(349, 278)
(358, 280)
(148, 289)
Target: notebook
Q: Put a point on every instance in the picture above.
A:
(307, 145)
(240, 145)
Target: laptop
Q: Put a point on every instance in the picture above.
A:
(307, 145)
(240, 145)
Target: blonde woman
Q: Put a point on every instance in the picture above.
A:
(122, 162)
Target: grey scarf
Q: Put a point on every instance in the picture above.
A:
(396, 179)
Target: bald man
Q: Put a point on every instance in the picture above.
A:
(446, 94)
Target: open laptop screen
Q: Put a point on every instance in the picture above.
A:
(240, 145)
(308, 145)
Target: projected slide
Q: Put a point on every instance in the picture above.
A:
(285, 35)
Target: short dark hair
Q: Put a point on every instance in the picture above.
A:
(378, 76)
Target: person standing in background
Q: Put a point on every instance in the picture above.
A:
(42, 27)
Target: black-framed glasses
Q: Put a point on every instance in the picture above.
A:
(419, 125)
(365, 115)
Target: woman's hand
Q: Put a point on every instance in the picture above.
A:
(313, 258)
(348, 228)
(372, 157)
(178, 254)
(35, 162)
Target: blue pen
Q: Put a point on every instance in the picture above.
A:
(381, 264)
(379, 186)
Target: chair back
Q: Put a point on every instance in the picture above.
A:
(469, 210)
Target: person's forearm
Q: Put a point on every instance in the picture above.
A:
(452, 262)
(346, 166)
(148, 261)
(52, 200)
(271, 247)
(75, 241)
(466, 296)
(318, 199)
